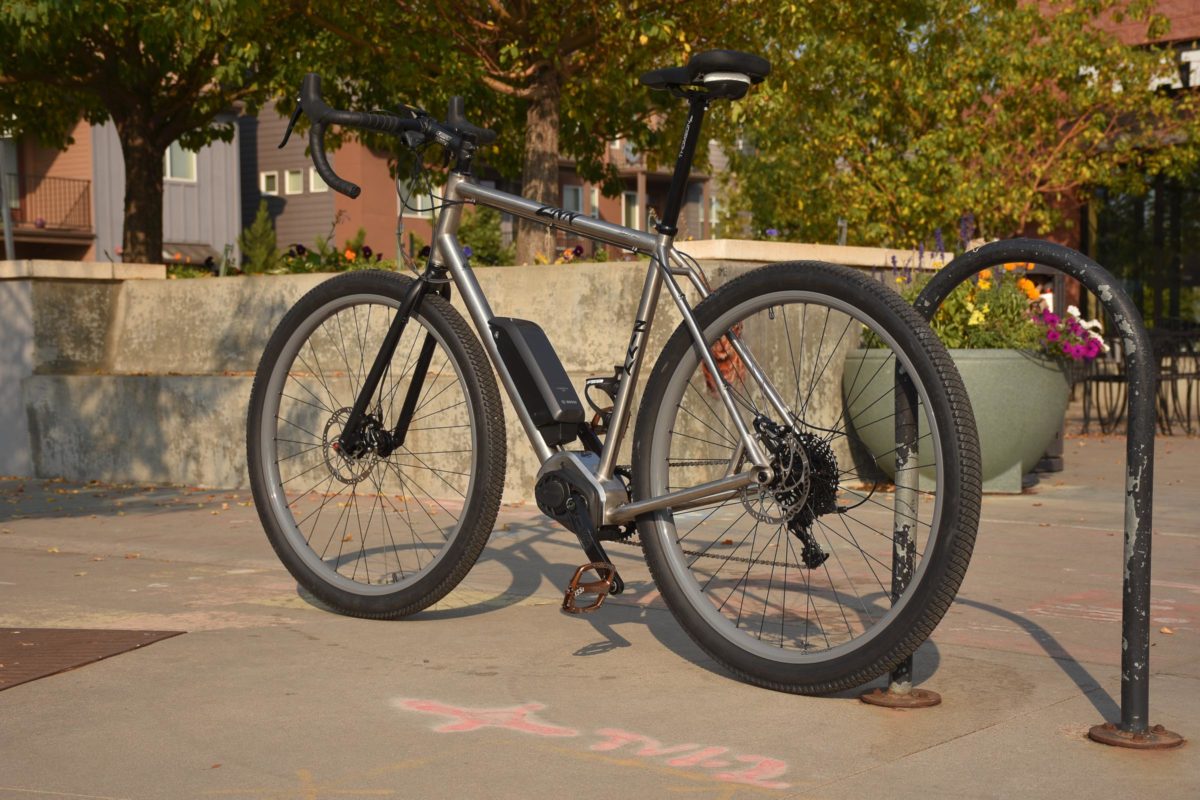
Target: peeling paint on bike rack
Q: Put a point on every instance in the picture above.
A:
(1134, 729)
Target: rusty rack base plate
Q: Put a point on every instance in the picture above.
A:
(916, 698)
(27, 654)
(1156, 738)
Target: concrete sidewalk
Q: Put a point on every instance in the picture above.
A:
(497, 694)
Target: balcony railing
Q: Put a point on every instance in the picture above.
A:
(49, 203)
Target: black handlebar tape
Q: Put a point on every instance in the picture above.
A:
(310, 99)
(321, 115)
(455, 118)
(316, 144)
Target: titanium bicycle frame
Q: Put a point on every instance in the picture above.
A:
(665, 265)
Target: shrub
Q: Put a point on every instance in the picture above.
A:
(259, 251)
(480, 231)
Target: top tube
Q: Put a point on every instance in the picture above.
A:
(554, 217)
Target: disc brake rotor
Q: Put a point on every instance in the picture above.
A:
(344, 468)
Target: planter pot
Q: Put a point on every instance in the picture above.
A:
(1019, 399)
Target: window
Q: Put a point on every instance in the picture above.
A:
(315, 182)
(630, 211)
(572, 199)
(268, 182)
(294, 181)
(179, 164)
(595, 212)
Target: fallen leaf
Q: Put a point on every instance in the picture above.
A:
(80, 574)
(1167, 631)
(727, 541)
(51, 549)
(97, 558)
(224, 506)
(133, 555)
(349, 537)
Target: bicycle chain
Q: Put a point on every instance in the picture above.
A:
(635, 541)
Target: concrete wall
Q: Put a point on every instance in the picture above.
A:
(149, 380)
(20, 282)
(16, 364)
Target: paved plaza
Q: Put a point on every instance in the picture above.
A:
(495, 693)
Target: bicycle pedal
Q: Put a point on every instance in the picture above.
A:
(601, 587)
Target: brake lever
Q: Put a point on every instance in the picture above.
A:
(292, 123)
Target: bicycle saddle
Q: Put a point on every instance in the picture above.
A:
(724, 73)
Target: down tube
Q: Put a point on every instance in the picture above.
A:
(450, 255)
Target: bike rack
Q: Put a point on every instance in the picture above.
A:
(1133, 730)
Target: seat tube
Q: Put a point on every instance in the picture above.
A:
(634, 354)
(697, 105)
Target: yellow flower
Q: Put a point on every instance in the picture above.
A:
(350, 254)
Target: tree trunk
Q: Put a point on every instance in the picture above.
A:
(142, 242)
(539, 180)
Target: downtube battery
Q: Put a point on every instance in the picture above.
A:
(541, 379)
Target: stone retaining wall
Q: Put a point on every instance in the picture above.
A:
(123, 379)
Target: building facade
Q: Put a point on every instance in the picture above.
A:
(70, 204)
(1151, 240)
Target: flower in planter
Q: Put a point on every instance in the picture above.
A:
(1071, 337)
(1002, 311)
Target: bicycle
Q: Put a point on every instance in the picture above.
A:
(789, 551)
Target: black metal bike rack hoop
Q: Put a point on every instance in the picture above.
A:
(1134, 729)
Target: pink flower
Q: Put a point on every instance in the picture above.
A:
(1052, 335)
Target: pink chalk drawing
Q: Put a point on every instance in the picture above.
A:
(515, 718)
(759, 771)
(756, 775)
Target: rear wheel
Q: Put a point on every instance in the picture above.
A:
(379, 534)
(794, 586)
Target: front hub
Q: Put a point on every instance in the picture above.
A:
(351, 459)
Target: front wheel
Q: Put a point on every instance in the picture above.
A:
(390, 529)
(842, 565)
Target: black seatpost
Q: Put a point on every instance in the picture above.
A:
(697, 105)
